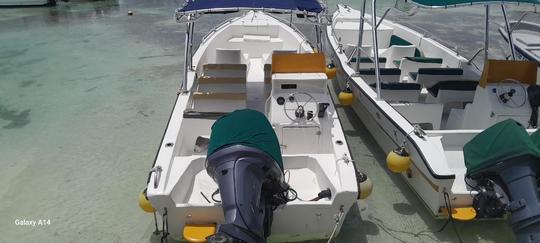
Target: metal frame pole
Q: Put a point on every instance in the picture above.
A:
(321, 33)
(191, 46)
(375, 46)
(187, 56)
(508, 32)
(486, 35)
(318, 34)
(360, 36)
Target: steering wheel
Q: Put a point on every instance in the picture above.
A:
(296, 104)
(509, 96)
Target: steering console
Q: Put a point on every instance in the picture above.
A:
(297, 107)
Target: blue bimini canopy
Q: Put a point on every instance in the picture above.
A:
(225, 6)
(457, 3)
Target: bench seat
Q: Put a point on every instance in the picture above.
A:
(428, 77)
(400, 92)
(387, 75)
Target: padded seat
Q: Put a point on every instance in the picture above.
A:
(225, 70)
(221, 84)
(382, 71)
(367, 62)
(408, 92)
(216, 102)
(412, 64)
(388, 75)
(454, 91)
(461, 85)
(433, 60)
(431, 76)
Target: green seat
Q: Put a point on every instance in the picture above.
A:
(425, 59)
(398, 41)
(382, 71)
(502, 141)
(398, 86)
(245, 127)
(461, 85)
(368, 60)
(440, 71)
(420, 59)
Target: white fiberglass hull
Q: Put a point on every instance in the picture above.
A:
(183, 190)
(433, 172)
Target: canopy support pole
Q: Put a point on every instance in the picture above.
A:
(360, 35)
(191, 46)
(508, 32)
(375, 46)
(318, 34)
(187, 55)
(321, 33)
(486, 35)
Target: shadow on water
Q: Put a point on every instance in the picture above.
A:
(468, 231)
(16, 119)
(25, 84)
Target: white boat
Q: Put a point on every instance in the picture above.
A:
(424, 103)
(526, 38)
(246, 68)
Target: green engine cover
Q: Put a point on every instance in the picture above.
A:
(502, 141)
(245, 127)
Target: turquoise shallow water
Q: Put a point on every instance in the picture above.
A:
(85, 93)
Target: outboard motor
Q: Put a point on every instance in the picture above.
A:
(504, 161)
(244, 159)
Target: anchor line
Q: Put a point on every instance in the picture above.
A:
(450, 218)
(338, 220)
(165, 227)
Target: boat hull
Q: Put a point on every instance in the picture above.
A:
(182, 193)
(388, 134)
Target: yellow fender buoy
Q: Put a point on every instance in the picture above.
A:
(365, 185)
(398, 160)
(331, 71)
(144, 203)
(346, 97)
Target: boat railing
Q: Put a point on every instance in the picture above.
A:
(290, 25)
(215, 29)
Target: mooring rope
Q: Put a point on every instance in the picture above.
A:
(338, 220)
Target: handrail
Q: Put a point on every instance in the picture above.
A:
(216, 28)
(508, 32)
(382, 18)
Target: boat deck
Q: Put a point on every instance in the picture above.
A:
(300, 172)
